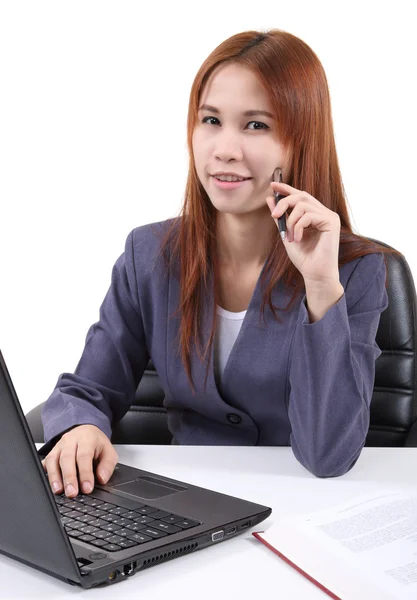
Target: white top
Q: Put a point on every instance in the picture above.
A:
(227, 329)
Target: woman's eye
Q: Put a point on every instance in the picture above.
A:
(263, 126)
(205, 120)
(259, 123)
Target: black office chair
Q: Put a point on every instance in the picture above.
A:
(394, 399)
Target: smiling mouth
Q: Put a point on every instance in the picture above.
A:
(233, 181)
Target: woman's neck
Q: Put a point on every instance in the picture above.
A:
(244, 240)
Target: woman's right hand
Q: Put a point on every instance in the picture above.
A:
(77, 449)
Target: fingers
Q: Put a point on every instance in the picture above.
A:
(85, 454)
(293, 221)
(76, 451)
(284, 188)
(69, 470)
(107, 462)
(53, 472)
(291, 202)
(303, 222)
(291, 218)
(61, 470)
(295, 207)
(294, 198)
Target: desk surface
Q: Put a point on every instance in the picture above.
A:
(241, 567)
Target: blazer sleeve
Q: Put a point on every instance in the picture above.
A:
(102, 388)
(332, 373)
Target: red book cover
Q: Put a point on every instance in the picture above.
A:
(259, 537)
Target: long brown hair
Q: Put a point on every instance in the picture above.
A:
(296, 84)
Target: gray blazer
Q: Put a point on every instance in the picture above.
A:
(297, 383)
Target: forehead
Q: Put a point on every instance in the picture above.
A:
(234, 85)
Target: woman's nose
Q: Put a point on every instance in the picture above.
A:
(228, 148)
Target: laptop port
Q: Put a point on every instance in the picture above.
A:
(113, 575)
(230, 530)
(129, 569)
(218, 535)
(245, 525)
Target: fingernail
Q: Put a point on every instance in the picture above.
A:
(55, 486)
(105, 475)
(69, 489)
(87, 487)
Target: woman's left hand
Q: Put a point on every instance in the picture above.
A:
(313, 233)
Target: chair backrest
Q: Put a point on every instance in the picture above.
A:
(146, 421)
(394, 399)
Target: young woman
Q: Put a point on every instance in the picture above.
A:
(256, 340)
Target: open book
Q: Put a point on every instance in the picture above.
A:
(362, 550)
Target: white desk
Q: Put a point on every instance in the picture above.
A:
(242, 567)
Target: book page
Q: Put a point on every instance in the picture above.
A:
(374, 537)
(382, 534)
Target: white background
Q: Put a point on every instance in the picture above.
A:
(93, 108)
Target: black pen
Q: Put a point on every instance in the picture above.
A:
(282, 221)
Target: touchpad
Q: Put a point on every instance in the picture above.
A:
(148, 487)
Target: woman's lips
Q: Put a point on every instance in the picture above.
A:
(229, 185)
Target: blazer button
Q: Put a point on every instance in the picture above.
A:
(235, 419)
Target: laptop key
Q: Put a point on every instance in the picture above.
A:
(88, 529)
(111, 527)
(63, 509)
(94, 502)
(172, 519)
(143, 520)
(89, 510)
(90, 501)
(186, 523)
(136, 527)
(114, 539)
(145, 510)
(84, 509)
(86, 538)
(159, 514)
(166, 527)
(99, 543)
(127, 543)
(98, 523)
(123, 532)
(73, 514)
(123, 522)
(154, 533)
(139, 538)
(107, 506)
(76, 525)
(97, 512)
(118, 510)
(110, 518)
(74, 533)
(102, 534)
(131, 514)
(111, 547)
(66, 500)
(85, 518)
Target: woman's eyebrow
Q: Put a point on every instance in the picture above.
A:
(247, 113)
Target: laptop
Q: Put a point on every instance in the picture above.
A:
(137, 520)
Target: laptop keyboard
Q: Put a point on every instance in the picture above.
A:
(112, 527)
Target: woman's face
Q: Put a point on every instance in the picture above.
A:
(226, 140)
